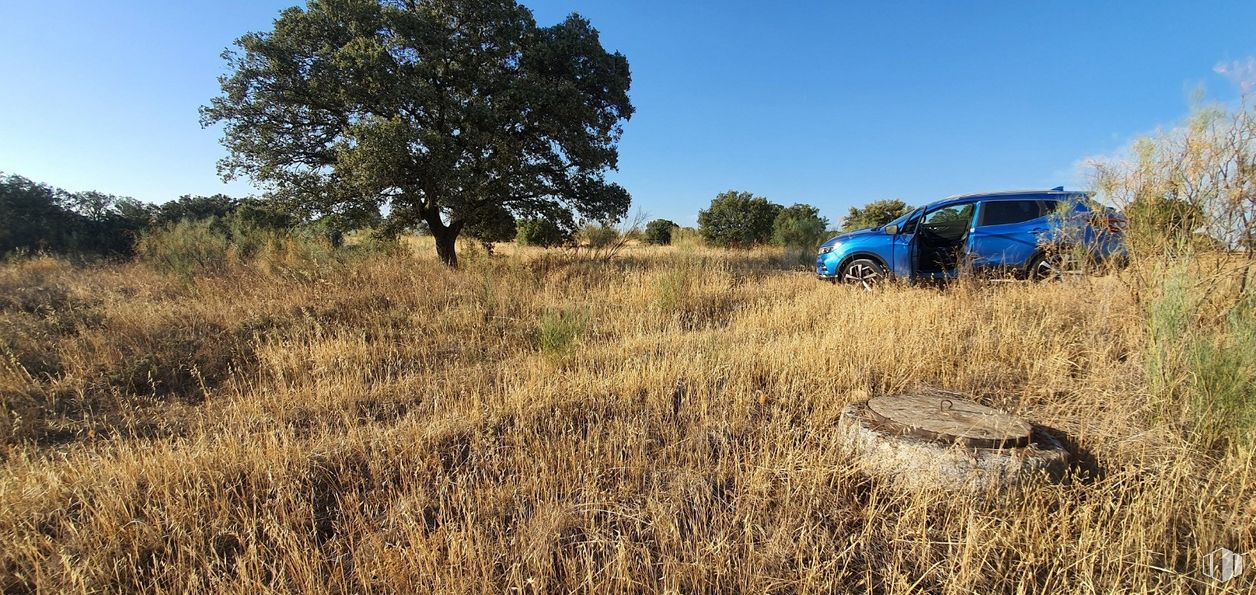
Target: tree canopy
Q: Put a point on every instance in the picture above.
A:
(738, 219)
(874, 214)
(496, 224)
(437, 111)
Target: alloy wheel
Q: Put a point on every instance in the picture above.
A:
(1051, 267)
(862, 273)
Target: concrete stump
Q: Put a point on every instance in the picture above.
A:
(941, 440)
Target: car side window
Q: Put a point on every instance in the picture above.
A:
(949, 222)
(1005, 212)
(909, 227)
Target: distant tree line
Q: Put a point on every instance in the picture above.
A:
(37, 217)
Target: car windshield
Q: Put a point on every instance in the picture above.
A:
(900, 221)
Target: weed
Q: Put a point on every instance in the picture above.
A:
(560, 329)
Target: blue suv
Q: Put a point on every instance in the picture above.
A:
(1036, 234)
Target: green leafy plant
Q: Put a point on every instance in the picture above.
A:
(560, 328)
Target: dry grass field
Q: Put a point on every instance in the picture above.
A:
(659, 422)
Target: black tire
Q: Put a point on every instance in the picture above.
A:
(863, 271)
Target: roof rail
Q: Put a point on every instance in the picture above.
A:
(1011, 193)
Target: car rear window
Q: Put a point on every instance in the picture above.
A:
(1004, 212)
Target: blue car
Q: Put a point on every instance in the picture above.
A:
(1036, 234)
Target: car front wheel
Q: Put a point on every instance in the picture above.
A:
(864, 272)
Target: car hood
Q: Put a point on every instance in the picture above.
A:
(849, 236)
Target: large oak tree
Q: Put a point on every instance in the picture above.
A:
(443, 112)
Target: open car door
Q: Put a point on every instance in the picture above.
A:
(903, 263)
(941, 240)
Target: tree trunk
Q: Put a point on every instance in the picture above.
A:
(446, 237)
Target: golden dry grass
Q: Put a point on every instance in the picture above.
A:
(660, 422)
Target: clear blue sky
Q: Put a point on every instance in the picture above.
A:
(829, 103)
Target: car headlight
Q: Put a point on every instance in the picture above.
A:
(826, 249)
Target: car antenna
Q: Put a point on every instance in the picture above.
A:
(1058, 189)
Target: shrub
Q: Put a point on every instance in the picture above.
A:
(186, 248)
(686, 236)
(738, 219)
(1190, 188)
(659, 232)
(1204, 364)
(598, 235)
(196, 208)
(799, 226)
(190, 248)
(560, 328)
(541, 232)
(264, 214)
(1223, 366)
(1159, 224)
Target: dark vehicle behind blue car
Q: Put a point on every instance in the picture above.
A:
(1036, 234)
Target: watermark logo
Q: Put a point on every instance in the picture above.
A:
(1222, 565)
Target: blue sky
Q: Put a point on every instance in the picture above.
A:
(829, 103)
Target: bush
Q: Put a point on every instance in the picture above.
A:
(738, 219)
(1205, 362)
(659, 232)
(686, 236)
(560, 328)
(186, 248)
(264, 214)
(598, 235)
(542, 232)
(190, 248)
(1160, 225)
(196, 208)
(799, 226)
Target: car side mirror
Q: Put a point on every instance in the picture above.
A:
(891, 229)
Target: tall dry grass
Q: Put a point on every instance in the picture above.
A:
(662, 421)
